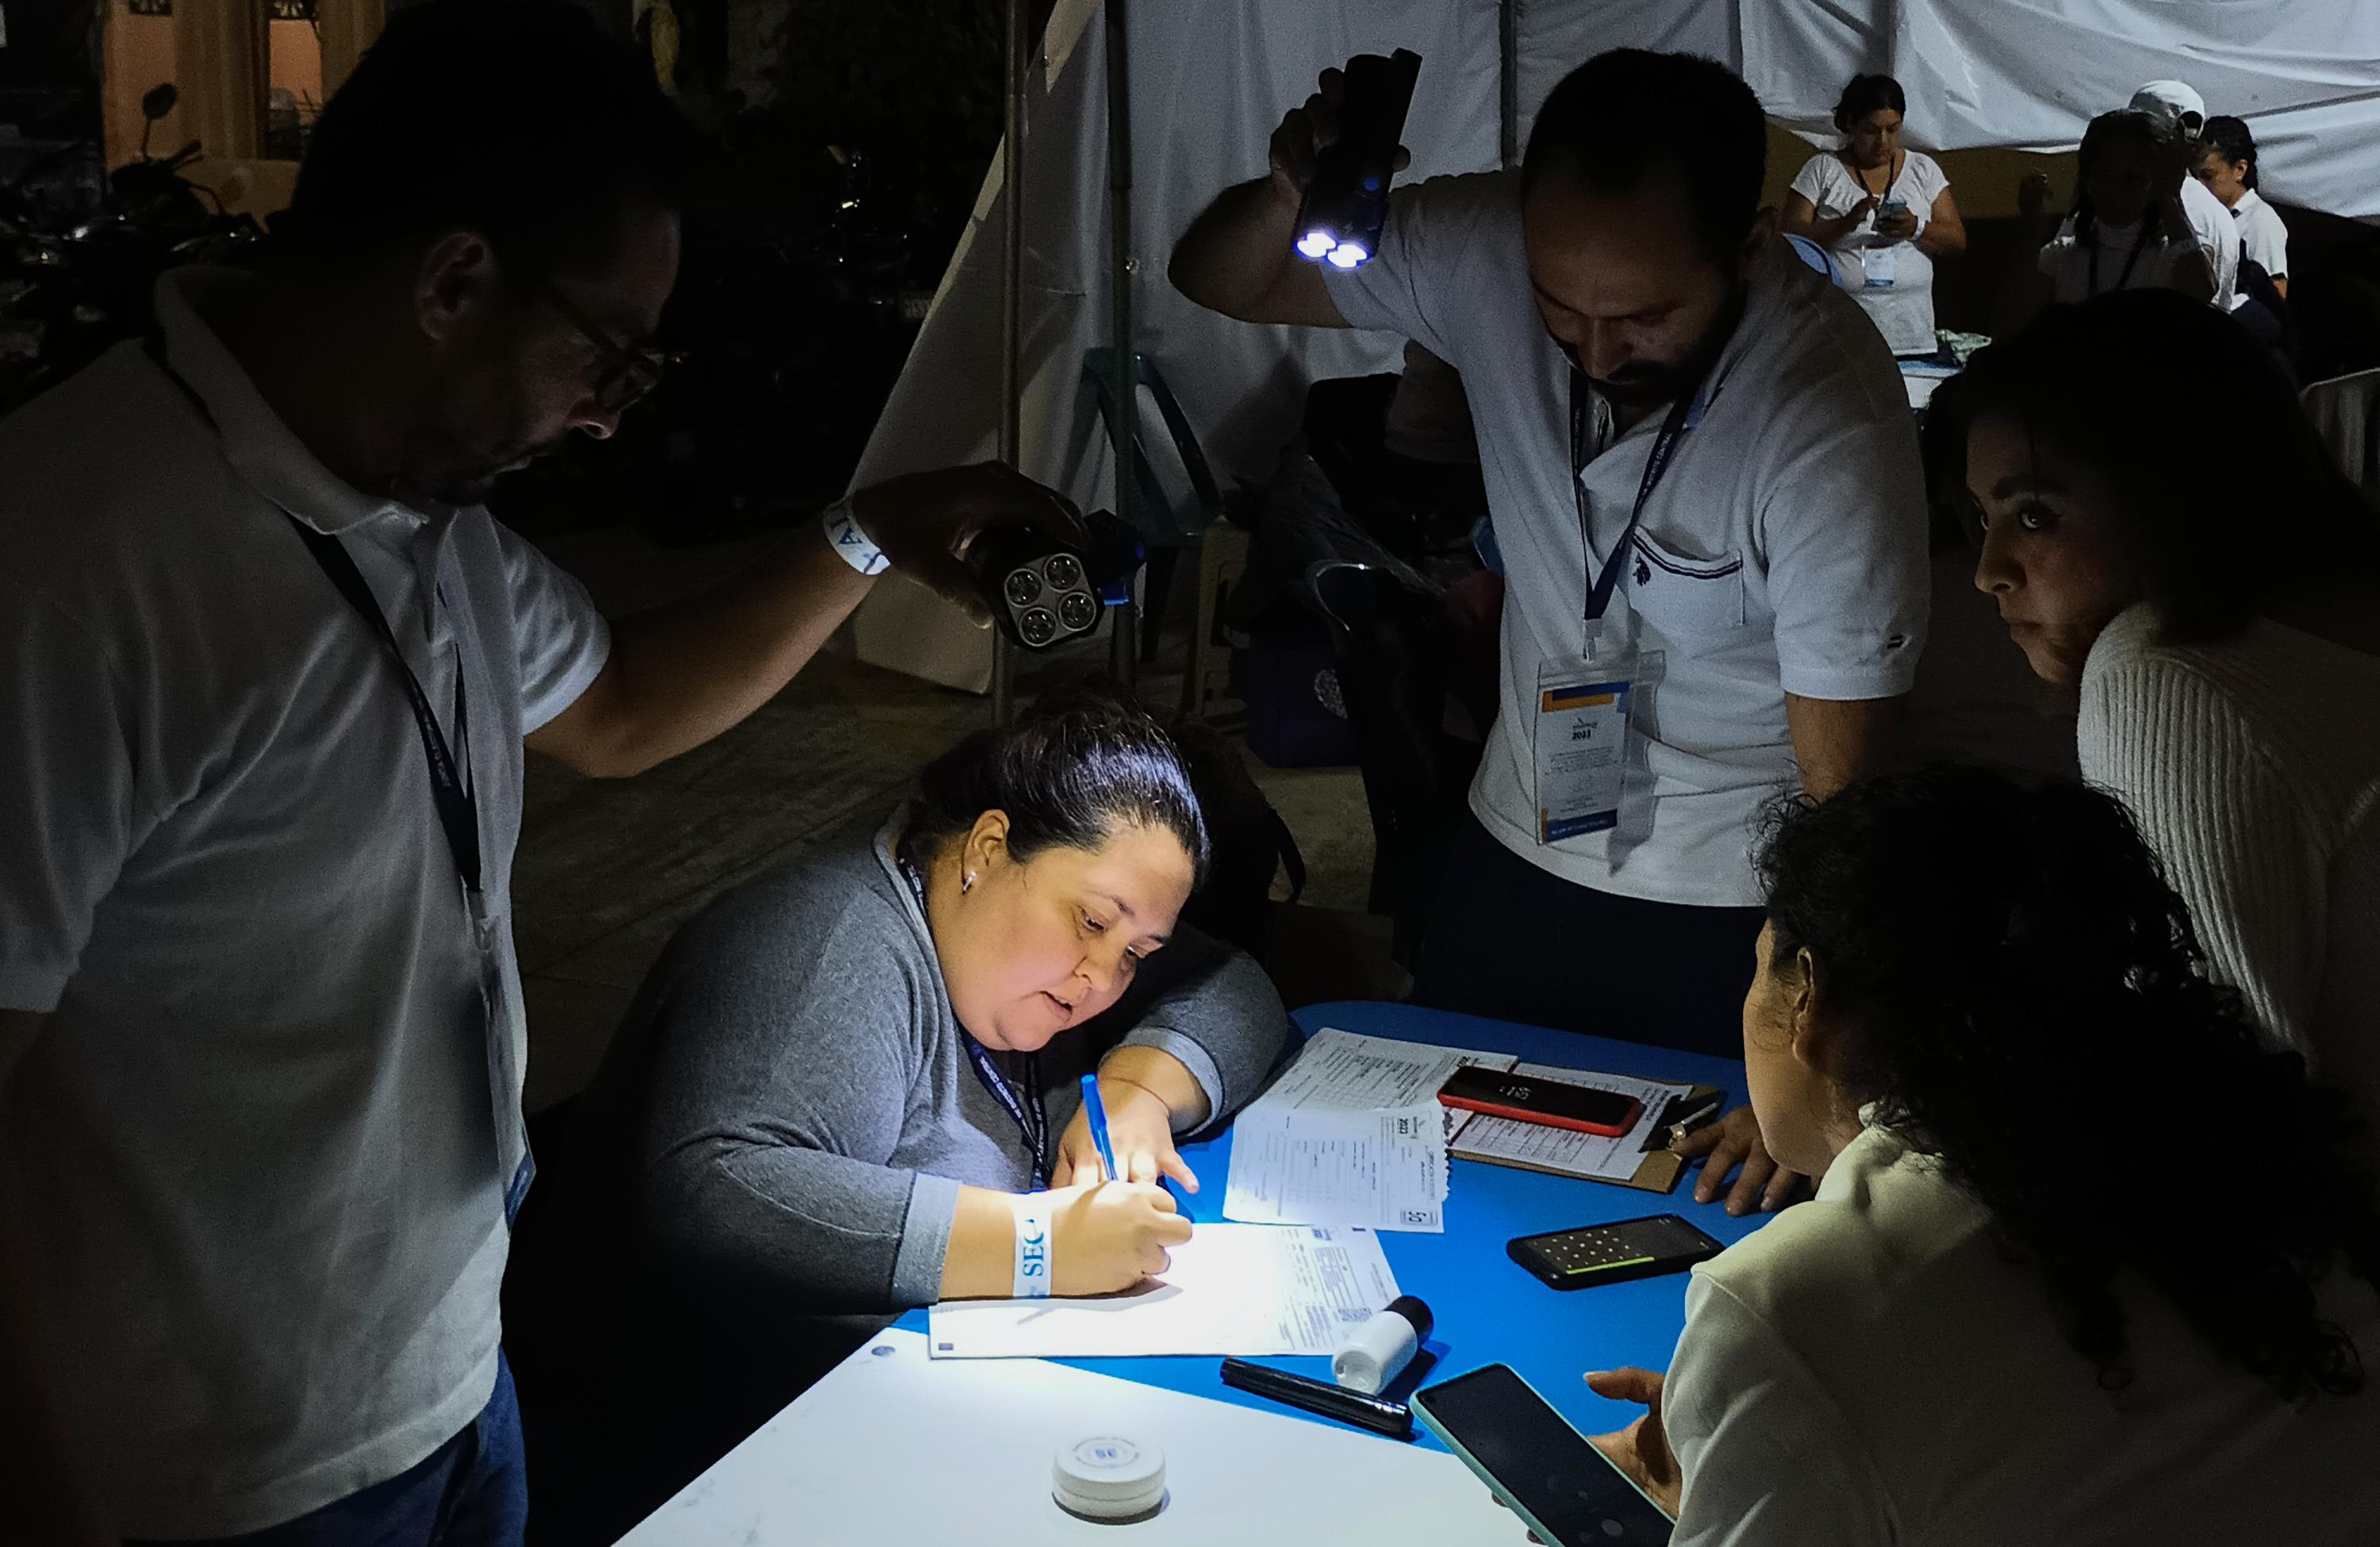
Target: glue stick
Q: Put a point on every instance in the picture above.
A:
(1381, 1346)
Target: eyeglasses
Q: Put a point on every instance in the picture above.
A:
(630, 375)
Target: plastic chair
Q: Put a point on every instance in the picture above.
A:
(1163, 519)
(1166, 523)
(1388, 657)
(2346, 410)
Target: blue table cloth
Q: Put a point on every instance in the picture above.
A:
(1489, 1309)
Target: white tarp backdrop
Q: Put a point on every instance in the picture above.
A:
(1209, 78)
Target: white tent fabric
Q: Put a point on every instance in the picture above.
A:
(1209, 79)
(2305, 74)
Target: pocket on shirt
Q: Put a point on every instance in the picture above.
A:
(1683, 595)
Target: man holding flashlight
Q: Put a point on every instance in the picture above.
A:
(268, 672)
(1705, 485)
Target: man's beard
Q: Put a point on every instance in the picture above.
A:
(1647, 384)
(468, 483)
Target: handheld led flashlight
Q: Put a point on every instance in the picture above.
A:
(1041, 593)
(1347, 200)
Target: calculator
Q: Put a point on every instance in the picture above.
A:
(1594, 1254)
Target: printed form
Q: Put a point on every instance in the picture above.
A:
(1250, 1290)
(1352, 1134)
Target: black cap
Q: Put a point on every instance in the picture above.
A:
(1415, 1311)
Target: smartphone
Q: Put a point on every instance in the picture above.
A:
(1891, 209)
(1560, 1485)
(1593, 1254)
(1527, 1099)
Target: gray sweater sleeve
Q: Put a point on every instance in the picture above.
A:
(799, 1030)
(791, 1032)
(1212, 1007)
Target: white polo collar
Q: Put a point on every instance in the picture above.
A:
(266, 452)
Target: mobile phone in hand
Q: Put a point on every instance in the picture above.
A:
(1552, 1476)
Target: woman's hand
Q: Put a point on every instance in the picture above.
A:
(1144, 1091)
(1734, 1141)
(2032, 195)
(1110, 1236)
(1897, 227)
(1641, 1451)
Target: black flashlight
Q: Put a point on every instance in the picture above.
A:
(1347, 200)
(1042, 592)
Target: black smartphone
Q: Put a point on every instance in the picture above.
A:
(1528, 1099)
(1593, 1254)
(1560, 1485)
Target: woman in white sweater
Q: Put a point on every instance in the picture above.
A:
(1976, 1006)
(2215, 608)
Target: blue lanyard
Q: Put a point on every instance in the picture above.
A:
(1025, 1109)
(1681, 418)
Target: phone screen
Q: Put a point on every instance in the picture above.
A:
(1546, 1468)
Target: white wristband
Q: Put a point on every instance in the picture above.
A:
(1032, 1274)
(843, 534)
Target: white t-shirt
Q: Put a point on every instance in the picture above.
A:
(1895, 280)
(2217, 232)
(2262, 236)
(257, 1132)
(2130, 259)
(1783, 552)
(1869, 1370)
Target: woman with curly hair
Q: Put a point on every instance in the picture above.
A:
(1971, 998)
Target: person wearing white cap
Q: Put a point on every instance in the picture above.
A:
(2178, 115)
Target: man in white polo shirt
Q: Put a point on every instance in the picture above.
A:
(267, 671)
(1622, 294)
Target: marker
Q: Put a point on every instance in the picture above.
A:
(1392, 1419)
(1099, 1113)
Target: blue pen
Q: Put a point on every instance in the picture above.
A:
(1098, 1113)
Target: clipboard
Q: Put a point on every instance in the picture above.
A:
(1659, 1167)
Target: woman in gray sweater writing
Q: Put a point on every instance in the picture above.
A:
(853, 1087)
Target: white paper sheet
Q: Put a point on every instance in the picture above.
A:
(1567, 1152)
(1251, 1290)
(1351, 1134)
(1384, 1169)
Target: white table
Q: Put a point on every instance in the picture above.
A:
(894, 1449)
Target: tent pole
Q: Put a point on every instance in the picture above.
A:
(1012, 318)
(1124, 648)
(1507, 84)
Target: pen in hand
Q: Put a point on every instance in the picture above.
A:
(1701, 1117)
(1098, 1113)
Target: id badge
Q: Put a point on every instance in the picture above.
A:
(1580, 743)
(1877, 264)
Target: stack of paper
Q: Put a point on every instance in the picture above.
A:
(1352, 1134)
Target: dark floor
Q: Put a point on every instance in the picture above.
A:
(607, 870)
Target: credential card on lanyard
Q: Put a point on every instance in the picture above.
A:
(1581, 745)
(1579, 734)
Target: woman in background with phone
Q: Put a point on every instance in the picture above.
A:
(1968, 993)
(1886, 212)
